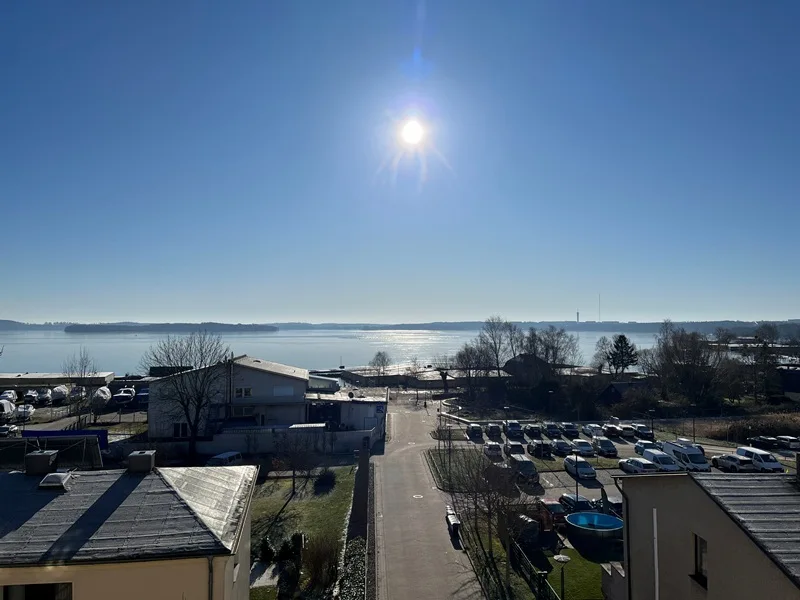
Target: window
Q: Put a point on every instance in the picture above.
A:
(243, 392)
(700, 565)
(180, 430)
(242, 411)
(38, 591)
(248, 392)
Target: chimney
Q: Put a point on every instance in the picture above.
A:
(41, 462)
(141, 461)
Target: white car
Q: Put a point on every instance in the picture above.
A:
(583, 447)
(637, 465)
(663, 461)
(627, 431)
(9, 395)
(9, 430)
(493, 450)
(590, 429)
(125, 395)
(788, 441)
(25, 412)
(579, 468)
(733, 463)
(643, 445)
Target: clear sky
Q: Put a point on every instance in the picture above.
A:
(235, 161)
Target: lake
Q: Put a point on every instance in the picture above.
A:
(45, 351)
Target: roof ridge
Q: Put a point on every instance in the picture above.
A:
(191, 510)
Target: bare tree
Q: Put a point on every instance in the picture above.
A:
(413, 370)
(469, 362)
(515, 337)
(559, 347)
(494, 337)
(295, 451)
(380, 362)
(79, 369)
(443, 363)
(188, 395)
(601, 350)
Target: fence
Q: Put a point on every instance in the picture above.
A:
(536, 579)
(264, 440)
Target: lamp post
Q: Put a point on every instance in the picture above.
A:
(575, 454)
(562, 559)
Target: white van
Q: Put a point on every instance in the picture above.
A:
(226, 459)
(762, 460)
(687, 456)
(663, 461)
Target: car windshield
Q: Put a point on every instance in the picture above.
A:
(606, 444)
(584, 466)
(648, 467)
(697, 459)
(583, 444)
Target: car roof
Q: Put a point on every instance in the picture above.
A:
(644, 461)
(656, 452)
(571, 496)
(753, 450)
(581, 440)
(600, 438)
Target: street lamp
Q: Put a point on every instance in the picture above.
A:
(562, 559)
(575, 453)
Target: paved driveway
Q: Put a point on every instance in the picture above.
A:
(416, 558)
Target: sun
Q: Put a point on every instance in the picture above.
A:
(412, 132)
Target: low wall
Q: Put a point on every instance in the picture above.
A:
(265, 441)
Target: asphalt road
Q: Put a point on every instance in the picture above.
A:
(416, 557)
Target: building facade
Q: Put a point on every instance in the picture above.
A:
(711, 537)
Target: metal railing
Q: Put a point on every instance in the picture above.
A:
(536, 579)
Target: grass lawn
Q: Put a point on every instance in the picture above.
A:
(263, 593)
(582, 578)
(277, 514)
(557, 463)
(126, 427)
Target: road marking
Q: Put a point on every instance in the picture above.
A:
(412, 443)
(417, 496)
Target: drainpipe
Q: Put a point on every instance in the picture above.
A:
(626, 530)
(210, 578)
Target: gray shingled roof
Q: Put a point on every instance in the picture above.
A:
(767, 508)
(272, 367)
(121, 516)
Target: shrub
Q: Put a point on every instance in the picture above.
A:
(285, 552)
(288, 578)
(325, 480)
(266, 553)
(321, 559)
(740, 430)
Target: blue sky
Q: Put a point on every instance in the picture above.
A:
(199, 161)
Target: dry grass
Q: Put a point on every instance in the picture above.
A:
(738, 430)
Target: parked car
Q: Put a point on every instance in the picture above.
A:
(44, 396)
(25, 411)
(573, 503)
(493, 450)
(604, 446)
(540, 449)
(551, 430)
(788, 441)
(733, 463)
(579, 468)
(763, 461)
(77, 393)
(637, 465)
(226, 459)
(687, 455)
(642, 445)
(142, 398)
(614, 503)
(533, 430)
(590, 429)
(583, 447)
(627, 431)
(10, 395)
(561, 447)
(643, 432)
(473, 432)
(764, 442)
(493, 430)
(570, 430)
(9, 430)
(7, 410)
(124, 396)
(556, 510)
(662, 460)
(524, 468)
(611, 430)
(513, 448)
(30, 397)
(689, 442)
(512, 429)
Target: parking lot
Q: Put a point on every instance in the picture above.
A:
(554, 481)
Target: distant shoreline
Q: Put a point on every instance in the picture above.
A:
(169, 328)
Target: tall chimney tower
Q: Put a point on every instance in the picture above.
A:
(578, 317)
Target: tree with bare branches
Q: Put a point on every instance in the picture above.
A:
(79, 369)
(494, 337)
(380, 362)
(187, 396)
(295, 453)
(443, 363)
(413, 370)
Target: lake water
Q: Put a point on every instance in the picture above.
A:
(45, 351)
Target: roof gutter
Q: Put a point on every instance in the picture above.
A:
(626, 529)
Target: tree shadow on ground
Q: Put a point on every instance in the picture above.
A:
(598, 551)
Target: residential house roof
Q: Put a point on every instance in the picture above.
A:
(272, 367)
(104, 516)
(767, 508)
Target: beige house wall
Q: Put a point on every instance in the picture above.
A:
(185, 579)
(737, 568)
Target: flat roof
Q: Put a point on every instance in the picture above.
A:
(32, 379)
(121, 516)
(341, 397)
(766, 507)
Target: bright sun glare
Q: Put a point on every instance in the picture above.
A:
(412, 132)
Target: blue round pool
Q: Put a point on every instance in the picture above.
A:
(593, 525)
